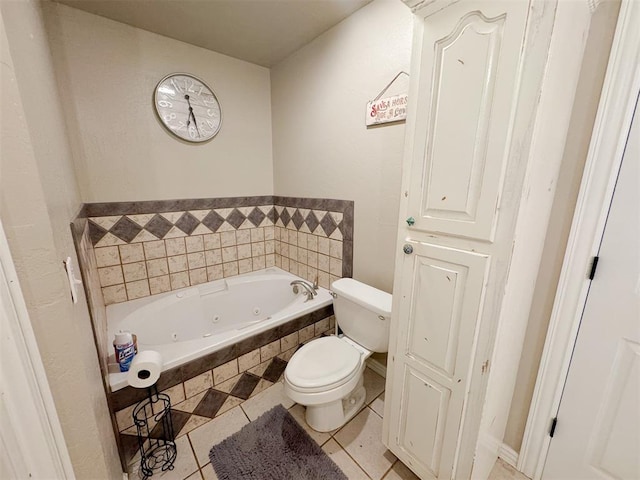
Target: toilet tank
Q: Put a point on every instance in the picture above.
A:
(363, 313)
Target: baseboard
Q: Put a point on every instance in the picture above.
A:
(509, 455)
(378, 367)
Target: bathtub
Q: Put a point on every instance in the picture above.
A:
(185, 324)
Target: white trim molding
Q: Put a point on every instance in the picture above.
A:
(509, 455)
(619, 93)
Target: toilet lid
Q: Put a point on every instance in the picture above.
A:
(322, 363)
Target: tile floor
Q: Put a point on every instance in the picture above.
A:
(356, 447)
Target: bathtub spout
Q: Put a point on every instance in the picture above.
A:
(309, 290)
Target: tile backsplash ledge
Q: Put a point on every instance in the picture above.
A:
(147, 248)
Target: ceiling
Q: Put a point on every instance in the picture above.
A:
(263, 32)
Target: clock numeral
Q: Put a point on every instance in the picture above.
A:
(175, 85)
(212, 113)
(208, 103)
(210, 123)
(192, 132)
(200, 91)
(169, 117)
(165, 104)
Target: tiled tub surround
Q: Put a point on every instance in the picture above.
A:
(206, 388)
(147, 248)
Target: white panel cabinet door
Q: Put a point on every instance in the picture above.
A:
(445, 289)
(465, 97)
(467, 85)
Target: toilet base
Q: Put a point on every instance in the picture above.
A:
(330, 416)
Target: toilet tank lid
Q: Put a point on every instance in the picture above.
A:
(364, 295)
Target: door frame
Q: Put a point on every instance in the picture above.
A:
(613, 120)
(17, 435)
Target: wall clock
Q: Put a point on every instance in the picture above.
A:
(187, 107)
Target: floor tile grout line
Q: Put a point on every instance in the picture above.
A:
(348, 454)
(193, 452)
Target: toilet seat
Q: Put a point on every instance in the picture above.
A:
(323, 364)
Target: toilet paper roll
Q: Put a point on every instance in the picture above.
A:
(145, 369)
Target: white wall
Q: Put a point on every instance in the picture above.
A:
(39, 197)
(107, 73)
(321, 147)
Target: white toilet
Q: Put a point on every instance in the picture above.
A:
(325, 375)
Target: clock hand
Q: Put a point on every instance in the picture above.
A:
(191, 115)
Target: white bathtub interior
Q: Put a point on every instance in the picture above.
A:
(186, 324)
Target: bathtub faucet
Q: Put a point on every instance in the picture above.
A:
(309, 290)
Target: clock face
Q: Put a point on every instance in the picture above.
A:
(187, 107)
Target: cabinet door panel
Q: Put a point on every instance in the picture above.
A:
(446, 287)
(462, 147)
(424, 402)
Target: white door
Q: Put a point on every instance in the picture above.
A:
(597, 435)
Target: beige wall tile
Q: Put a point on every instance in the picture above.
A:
(134, 271)
(243, 236)
(194, 243)
(244, 251)
(225, 371)
(124, 418)
(335, 248)
(175, 246)
(159, 284)
(215, 273)
(107, 256)
(302, 255)
(114, 294)
(257, 235)
(269, 246)
(257, 249)
(284, 263)
(270, 261)
(302, 240)
(323, 262)
(312, 243)
(211, 241)
(198, 276)
(110, 276)
(245, 266)
(230, 269)
(306, 333)
(213, 257)
(270, 350)
(259, 263)
(228, 239)
(179, 280)
(288, 342)
(196, 260)
(323, 279)
(153, 250)
(138, 289)
(177, 263)
(269, 233)
(157, 267)
(335, 265)
(131, 253)
(198, 384)
(249, 360)
(312, 259)
(229, 254)
(323, 245)
(292, 237)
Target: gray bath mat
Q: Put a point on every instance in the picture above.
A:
(272, 447)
